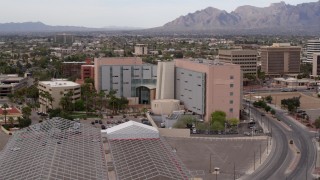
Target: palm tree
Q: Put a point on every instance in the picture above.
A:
(5, 112)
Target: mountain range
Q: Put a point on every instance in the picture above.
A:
(278, 17)
(41, 27)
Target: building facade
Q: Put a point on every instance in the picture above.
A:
(280, 59)
(316, 65)
(128, 76)
(57, 89)
(71, 69)
(9, 83)
(205, 86)
(140, 49)
(165, 80)
(247, 59)
(64, 38)
(313, 46)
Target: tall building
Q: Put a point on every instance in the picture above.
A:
(205, 86)
(280, 58)
(140, 49)
(247, 59)
(316, 64)
(313, 46)
(64, 38)
(57, 89)
(128, 76)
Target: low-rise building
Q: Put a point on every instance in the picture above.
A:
(140, 49)
(10, 83)
(316, 65)
(57, 89)
(72, 69)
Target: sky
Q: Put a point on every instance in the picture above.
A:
(123, 13)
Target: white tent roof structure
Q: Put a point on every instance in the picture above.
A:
(132, 130)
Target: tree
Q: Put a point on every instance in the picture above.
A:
(11, 120)
(291, 104)
(217, 126)
(218, 117)
(5, 112)
(267, 108)
(79, 105)
(273, 112)
(233, 121)
(269, 99)
(26, 112)
(317, 122)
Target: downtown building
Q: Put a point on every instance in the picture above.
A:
(316, 65)
(280, 59)
(129, 77)
(64, 38)
(247, 59)
(202, 86)
(57, 89)
(313, 46)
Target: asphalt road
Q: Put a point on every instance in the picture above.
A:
(278, 164)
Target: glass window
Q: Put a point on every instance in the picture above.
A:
(231, 93)
(231, 110)
(231, 101)
(231, 85)
(231, 77)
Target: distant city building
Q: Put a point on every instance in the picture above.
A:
(316, 64)
(140, 49)
(280, 59)
(57, 88)
(313, 46)
(9, 83)
(205, 86)
(71, 69)
(128, 76)
(64, 38)
(247, 59)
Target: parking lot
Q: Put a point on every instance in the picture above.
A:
(225, 153)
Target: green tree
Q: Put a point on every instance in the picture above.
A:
(273, 112)
(233, 121)
(269, 99)
(26, 112)
(11, 120)
(79, 105)
(267, 108)
(217, 126)
(5, 112)
(317, 122)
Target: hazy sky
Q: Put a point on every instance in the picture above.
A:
(100, 13)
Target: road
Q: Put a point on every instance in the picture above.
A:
(279, 163)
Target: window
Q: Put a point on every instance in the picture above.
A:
(231, 110)
(231, 93)
(231, 77)
(231, 101)
(231, 85)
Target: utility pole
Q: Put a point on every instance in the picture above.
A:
(254, 160)
(260, 153)
(234, 171)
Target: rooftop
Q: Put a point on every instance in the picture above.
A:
(59, 83)
(207, 62)
(54, 149)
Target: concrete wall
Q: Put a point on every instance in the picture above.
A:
(165, 107)
(165, 81)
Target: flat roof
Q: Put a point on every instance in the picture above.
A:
(59, 83)
(54, 149)
(207, 62)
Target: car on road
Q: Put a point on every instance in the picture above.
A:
(100, 121)
(246, 133)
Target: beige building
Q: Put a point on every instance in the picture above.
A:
(165, 80)
(247, 59)
(165, 106)
(280, 59)
(205, 86)
(57, 89)
(140, 49)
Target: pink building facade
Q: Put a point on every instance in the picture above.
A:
(206, 86)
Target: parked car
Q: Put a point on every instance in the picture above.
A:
(100, 121)
(96, 121)
(103, 126)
